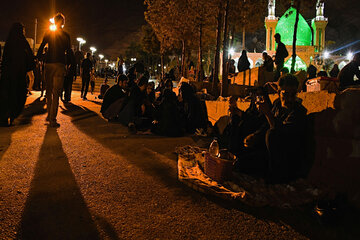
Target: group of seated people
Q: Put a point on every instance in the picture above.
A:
(135, 103)
(269, 139)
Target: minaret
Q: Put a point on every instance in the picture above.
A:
(270, 23)
(319, 24)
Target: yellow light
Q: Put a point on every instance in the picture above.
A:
(53, 27)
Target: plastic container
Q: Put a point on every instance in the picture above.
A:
(214, 148)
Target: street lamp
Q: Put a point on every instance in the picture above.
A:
(106, 61)
(92, 49)
(326, 55)
(81, 41)
(101, 56)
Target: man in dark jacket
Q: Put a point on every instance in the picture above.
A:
(283, 134)
(280, 55)
(347, 73)
(59, 45)
(86, 67)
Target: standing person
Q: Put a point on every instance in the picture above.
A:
(86, 67)
(120, 66)
(79, 56)
(70, 74)
(280, 55)
(17, 63)
(92, 81)
(59, 44)
(334, 71)
(347, 73)
(243, 63)
(268, 62)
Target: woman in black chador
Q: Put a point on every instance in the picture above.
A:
(17, 63)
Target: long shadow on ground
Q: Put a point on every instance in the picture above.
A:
(31, 110)
(55, 208)
(300, 219)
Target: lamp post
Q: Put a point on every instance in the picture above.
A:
(81, 41)
(92, 49)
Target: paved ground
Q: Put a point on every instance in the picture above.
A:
(90, 179)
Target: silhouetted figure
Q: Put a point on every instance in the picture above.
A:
(347, 73)
(335, 71)
(131, 76)
(192, 109)
(104, 87)
(79, 57)
(86, 67)
(114, 99)
(70, 74)
(322, 73)
(59, 44)
(168, 120)
(280, 55)
(284, 135)
(268, 62)
(311, 71)
(17, 63)
(232, 67)
(243, 63)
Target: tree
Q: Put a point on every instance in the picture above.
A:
(172, 24)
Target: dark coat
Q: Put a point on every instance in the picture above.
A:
(18, 59)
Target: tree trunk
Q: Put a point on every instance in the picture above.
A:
(232, 39)
(243, 38)
(294, 38)
(183, 67)
(162, 65)
(217, 51)
(225, 83)
(199, 63)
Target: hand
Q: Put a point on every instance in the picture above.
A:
(263, 107)
(250, 140)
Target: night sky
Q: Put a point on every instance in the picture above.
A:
(110, 25)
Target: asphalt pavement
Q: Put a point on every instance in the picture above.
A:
(90, 179)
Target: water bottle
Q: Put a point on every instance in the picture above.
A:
(214, 148)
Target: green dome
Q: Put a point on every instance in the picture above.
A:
(285, 28)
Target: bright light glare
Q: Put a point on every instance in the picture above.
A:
(52, 20)
(106, 60)
(231, 51)
(80, 39)
(53, 27)
(93, 49)
(101, 56)
(326, 54)
(350, 56)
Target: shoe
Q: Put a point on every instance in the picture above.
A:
(84, 98)
(54, 124)
(132, 128)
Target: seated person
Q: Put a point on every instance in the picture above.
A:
(134, 109)
(103, 88)
(283, 134)
(112, 95)
(347, 73)
(168, 84)
(167, 118)
(243, 123)
(192, 109)
(322, 73)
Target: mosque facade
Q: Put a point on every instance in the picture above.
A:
(310, 37)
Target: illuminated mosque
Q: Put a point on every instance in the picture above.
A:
(310, 39)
